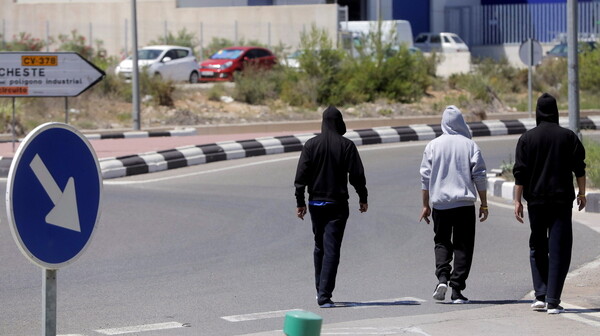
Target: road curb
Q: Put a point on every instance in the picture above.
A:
(205, 153)
(499, 187)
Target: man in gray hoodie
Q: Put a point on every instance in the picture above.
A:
(453, 173)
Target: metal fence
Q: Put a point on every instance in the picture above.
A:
(508, 24)
(117, 40)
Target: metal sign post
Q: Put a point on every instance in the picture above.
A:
(49, 301)
(530, 53)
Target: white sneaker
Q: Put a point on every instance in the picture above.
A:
(440, 292)
(538, 305)
(555, 309)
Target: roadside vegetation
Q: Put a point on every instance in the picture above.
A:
(399, 80)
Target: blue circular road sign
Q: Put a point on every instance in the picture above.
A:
(53, 195)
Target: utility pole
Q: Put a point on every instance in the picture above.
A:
(573, 65)
(135, 78)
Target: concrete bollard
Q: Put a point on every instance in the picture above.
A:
(302, 323)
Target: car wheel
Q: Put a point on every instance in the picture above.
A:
(194, 77)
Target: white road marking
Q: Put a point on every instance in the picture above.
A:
(373, 331)
(140, 328)
(258, 316)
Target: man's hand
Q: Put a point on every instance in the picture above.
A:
(425, 214)
(519, 211)
(483, 213)
(581, 202)
(363, 207)
(300, 212)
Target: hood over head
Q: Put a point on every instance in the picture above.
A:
(546, 109)
(454, 123)
(333, 121)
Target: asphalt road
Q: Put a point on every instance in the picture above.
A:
(203, 250)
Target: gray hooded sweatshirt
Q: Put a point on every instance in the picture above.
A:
(452, 168)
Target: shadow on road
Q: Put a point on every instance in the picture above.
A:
(376, 304)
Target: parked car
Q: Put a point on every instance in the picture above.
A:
(440, 42)
(560, 50)
(223, 64)
(292, 60)
(170, 62)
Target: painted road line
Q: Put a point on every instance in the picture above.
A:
(583, 315)
(258, 316)
(140, 328)
(374, 331)
(71, 335)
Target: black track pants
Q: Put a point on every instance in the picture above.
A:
(454, 238)
(550, 245)
(329, 223)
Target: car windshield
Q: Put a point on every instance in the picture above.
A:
(457, 39)
(295, 54)
(149, 54)
(227, 54)
(558, 49)
(421, 39)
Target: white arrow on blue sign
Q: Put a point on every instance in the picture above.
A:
(53, 196)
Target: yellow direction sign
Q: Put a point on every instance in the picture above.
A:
(44, 74)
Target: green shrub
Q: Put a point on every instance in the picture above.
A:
(256, 85)
(551, 77)
(216, 92)
(25, 42)
(75, 43)
(592, 160)
(183, 38)
(159, 89)
(589, 79)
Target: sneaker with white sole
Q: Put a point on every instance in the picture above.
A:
(440, 292)
(458, 298)
(327, 304)
(555, 309)
(538, 305)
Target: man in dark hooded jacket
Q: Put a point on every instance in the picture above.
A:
(546, 158)
(326, 164)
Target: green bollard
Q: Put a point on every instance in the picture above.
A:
(302, 323)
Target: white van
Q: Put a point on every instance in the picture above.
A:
(440, 42)
(353, 33)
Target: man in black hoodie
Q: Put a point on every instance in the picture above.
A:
(326, 164)
(546, 158)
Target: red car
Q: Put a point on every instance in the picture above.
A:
(222, 65)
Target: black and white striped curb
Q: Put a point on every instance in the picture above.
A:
(228, 150)
(6, 161)
(142, 134)
(500, 187)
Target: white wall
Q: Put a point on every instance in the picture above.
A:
(110, 20)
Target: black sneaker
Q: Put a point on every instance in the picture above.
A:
(555, 309)
(440, 292)
(327, 304)
(458, 298)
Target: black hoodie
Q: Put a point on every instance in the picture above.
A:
(326, 163)
(546, 158)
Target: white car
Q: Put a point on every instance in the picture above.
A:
(169, 62)
(440, 42)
